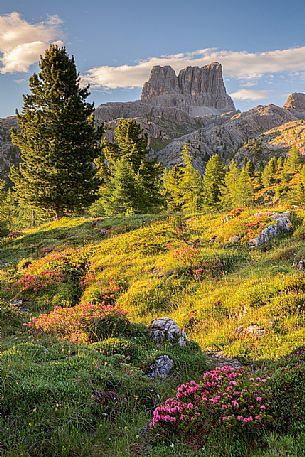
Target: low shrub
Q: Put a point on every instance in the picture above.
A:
(225, 397)
(288, 396)
(82, 323)
(116, 345)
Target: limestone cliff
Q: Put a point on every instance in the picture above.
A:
(198, 91)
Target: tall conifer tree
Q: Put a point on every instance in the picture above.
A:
(57, 139)
(213, 179)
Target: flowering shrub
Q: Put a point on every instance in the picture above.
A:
(193, 259)
(226, 396)
(35, 283)
(86, 322)
(187, 254)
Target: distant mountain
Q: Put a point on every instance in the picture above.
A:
(194, 108)
(9, 154)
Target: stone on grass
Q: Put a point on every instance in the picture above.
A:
(253, 330)
(165, 329)
(161, 367)
(280, 225)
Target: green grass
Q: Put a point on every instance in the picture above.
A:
(211, 287)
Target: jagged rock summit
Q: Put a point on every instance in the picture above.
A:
(295, 101)
(198, 91)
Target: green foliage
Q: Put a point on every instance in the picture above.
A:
(268, 173)
(183, 185)
(238, 187)
(213, 180)
(130, 182)
(288, 397)
(57, 139)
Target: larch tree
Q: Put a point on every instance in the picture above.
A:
(213, 180)
(57, 138)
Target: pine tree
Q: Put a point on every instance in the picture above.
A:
(296, 196)
(122, 193)
(230, 190)
(130, 143)
(268, 173)
(213, 180)
(129, 149)
(191, 184)
(245, 193)
(183, 185)
(57, 139)
(291, 165)
(172, 190)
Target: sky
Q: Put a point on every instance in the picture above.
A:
(261, 44)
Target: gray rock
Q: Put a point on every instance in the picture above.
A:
(251, 330)
(199, 91)
(166, 329)
(235, 239)
(17, 302)
(161, 367)
(281, 224)
(295, 101)
(300, 265)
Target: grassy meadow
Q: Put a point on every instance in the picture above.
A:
(62, 397)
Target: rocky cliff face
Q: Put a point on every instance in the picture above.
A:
(9, 154)
(227, 137)
(199, 91)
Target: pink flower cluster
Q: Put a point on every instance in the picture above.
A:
(74, 323)
(226, 396)
(34, 283)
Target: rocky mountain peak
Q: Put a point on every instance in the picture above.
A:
(200, 91)
(295, 101)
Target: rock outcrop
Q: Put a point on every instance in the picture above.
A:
(295, 101)
(225, 136)
(161, 367)
(198, 91)
(281, 224)
(9, 154)
(165, 329)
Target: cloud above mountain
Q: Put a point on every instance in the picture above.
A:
(249, 94)
(22, 43)
(236, 64)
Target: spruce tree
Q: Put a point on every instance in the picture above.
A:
(213, 180)
(122, 193)
(245, 193)
(57, 139)
(183, 185)
(269, 171)
(142, 176)
(230, 190)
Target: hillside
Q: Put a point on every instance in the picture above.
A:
(233, 301)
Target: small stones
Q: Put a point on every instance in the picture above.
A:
(16, 302)
(166, 329)
(105, 232)
(219, 360)
(253, 330)
(300, 265)
(161, 367)
(235, 239)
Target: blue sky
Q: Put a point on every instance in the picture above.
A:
(261, 44)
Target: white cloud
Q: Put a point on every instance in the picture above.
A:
(236, 64)
(249, 94)
(22, 43)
